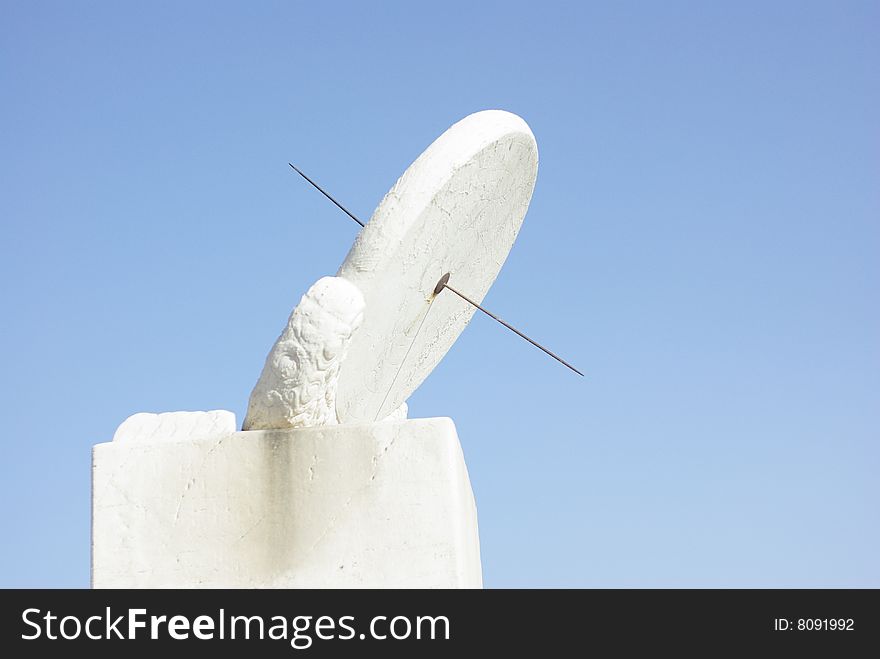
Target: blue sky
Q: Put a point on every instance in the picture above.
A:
(703, 242)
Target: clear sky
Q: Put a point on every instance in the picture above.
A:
(703, 242)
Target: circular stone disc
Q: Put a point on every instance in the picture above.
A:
(457, 210)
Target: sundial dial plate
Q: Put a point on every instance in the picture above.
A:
(457, 209)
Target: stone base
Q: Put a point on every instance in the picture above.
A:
(380, 505)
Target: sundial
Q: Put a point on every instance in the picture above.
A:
(360, 343)
(319, 488)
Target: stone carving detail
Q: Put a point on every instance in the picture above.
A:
(297, 387)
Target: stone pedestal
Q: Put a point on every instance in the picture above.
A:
(378, 505)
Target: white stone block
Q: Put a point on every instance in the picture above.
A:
(174, 426)
(375, 505)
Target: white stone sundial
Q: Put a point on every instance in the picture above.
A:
(322, 491)
(360, 343)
